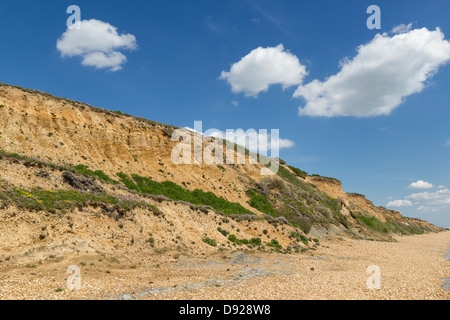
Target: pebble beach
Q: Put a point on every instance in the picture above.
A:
(413, 267)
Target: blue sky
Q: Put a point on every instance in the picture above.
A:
(177, 50)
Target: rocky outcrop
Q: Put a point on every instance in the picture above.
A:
(81, 183)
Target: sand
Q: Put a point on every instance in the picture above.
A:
(411, 268)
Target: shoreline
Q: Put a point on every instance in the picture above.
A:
(414, 267)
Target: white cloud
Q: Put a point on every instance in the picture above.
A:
(426, 202)
(428, 209)
(441, 194)
(100, 60)
(264, 67)
(420, 184)
(97, 43)
(381, 75)
(438, 201)
(448, 142)
(235, 103)
(399, 203)
(402, 28)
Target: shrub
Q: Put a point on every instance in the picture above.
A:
(82, 169)
(234, 239)
(318, 175)
(373, 223)
(285, 174)
(301, 237)
(299, 172)
(274, 183)
(151, 241)
(275, 244)
(223, 232)
(303, 223)
(261, 203)
(210, 241)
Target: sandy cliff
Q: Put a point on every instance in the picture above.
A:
(44, 138)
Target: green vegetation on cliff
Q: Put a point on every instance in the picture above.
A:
(173, 191)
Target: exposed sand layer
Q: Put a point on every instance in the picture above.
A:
(412, 268)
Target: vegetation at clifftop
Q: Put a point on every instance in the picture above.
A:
(299, 172)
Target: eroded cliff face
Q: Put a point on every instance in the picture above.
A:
(333, 187)
(63, 131)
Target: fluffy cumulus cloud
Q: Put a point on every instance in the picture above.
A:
(420, 184)
(426, 201)
(381, 75)
(97, 43)
(399, 203)
(263, 67)
(432, 201)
